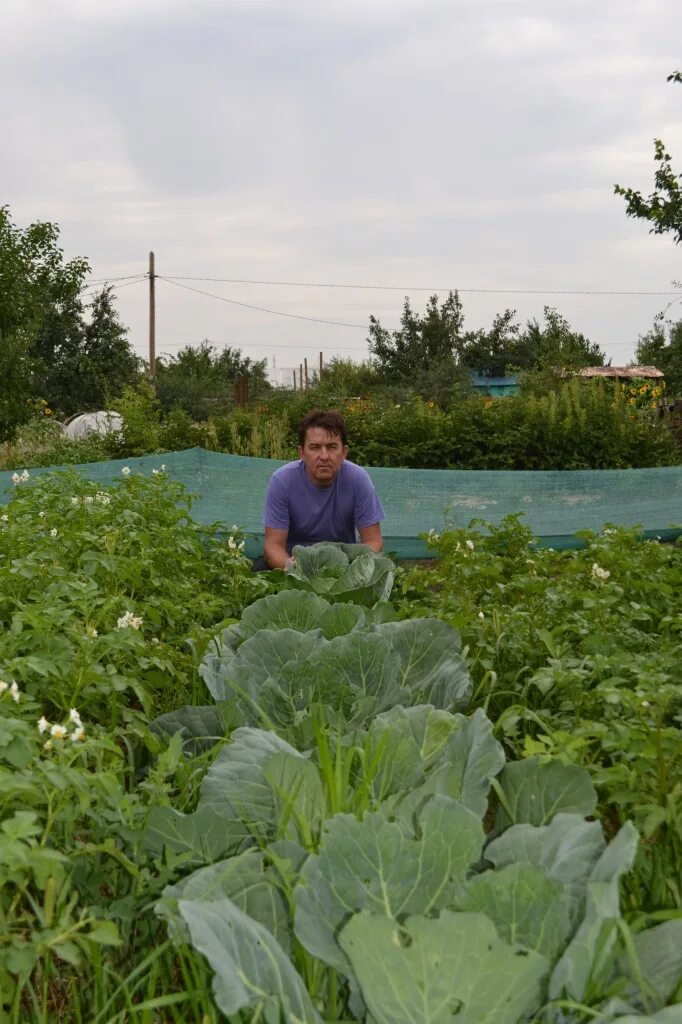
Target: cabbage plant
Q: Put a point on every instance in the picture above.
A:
(342, 572)
(401, 907)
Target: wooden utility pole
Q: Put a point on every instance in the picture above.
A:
(320, 366)
(152, 317)
(300, 375)
(294, 373)
(305, 364)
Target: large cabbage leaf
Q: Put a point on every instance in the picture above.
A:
(251, 970)
(588, 954)
(425, 751)
(257, 785)
(453, 969)
(534, 790)
(373, 864)
(431, 665)
(201, 727)
(247, 880)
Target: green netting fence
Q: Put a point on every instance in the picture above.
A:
(555, 505)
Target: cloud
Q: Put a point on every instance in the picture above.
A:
(407, 143)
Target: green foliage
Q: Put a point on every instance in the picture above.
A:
(343, 379)
(269, 436)
(141, 413)
(581, 425)
(665, 353)
(554, 346)
(50, 349)
(306, 654)
(575, 655)
(343, 572)
(399, 875)
(42, 442)
(433, 353)
(423, 343)
(81, 559)
(200, 380)
(663, 208)
(339, 862)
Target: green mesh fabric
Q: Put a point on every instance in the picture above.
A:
(555, 505)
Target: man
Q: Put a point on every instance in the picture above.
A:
(321, 497)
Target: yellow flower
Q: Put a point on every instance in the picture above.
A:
(632, 401)
(643, 390)
(633, 391)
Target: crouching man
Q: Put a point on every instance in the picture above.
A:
(321, 497)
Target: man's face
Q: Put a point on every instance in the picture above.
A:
(322, 454)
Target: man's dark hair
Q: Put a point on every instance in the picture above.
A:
(328, 419)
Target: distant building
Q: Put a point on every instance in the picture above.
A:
(495, 387)
(621, 372)
(280, 376)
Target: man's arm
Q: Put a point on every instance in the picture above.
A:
(371, 535)
(276, 554)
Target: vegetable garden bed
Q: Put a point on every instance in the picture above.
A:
(352, 793)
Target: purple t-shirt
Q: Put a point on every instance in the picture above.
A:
(313, 514)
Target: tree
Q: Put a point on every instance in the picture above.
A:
(654, 349)
(554, 346)
(663, 208)
(492, 352)
(201, 380)
(48, 347)
(422, 343)
(36, 285)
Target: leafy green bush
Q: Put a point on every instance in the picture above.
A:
(77, 562)
(41, 442)
(576, 654)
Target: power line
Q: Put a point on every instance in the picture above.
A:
(90, 290)
(260, 309)
(413, 288)
(107, 280)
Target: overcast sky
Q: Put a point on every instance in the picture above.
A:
(469, 145)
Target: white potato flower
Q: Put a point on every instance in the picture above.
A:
(126, 471)
(74, 717)
(599, 573)
(58, 732)
(470, 545)
(53, 532)
(78, 734)
(43, 725)
(41, 515)
(14, 690)
(75, 501)
(129, 621)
